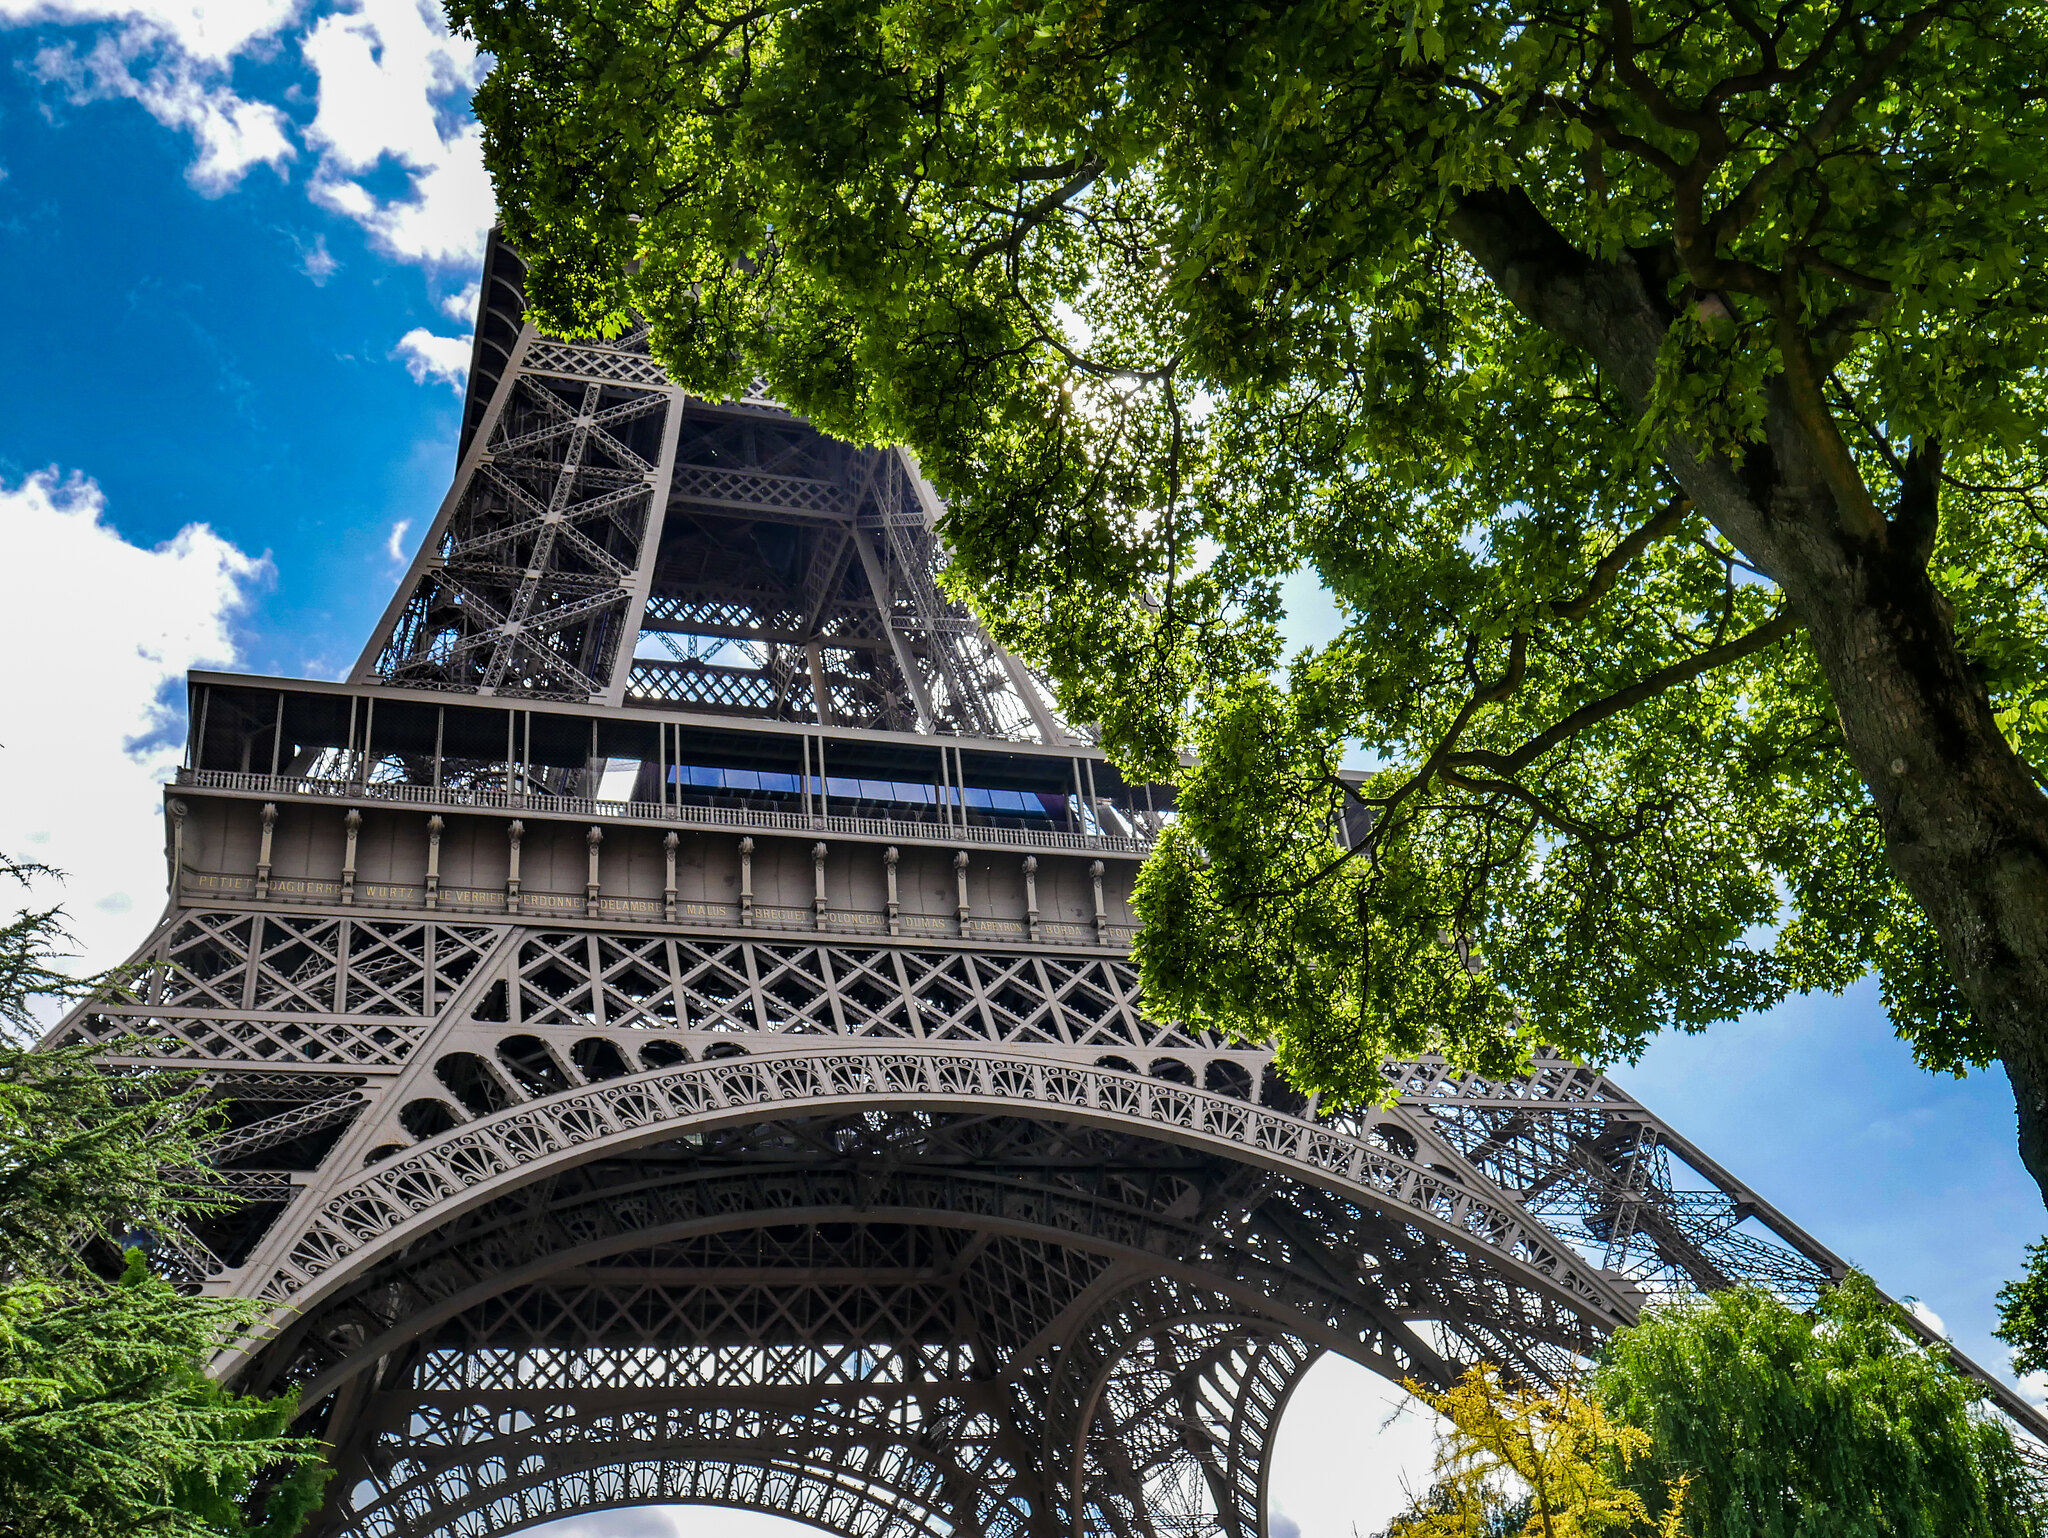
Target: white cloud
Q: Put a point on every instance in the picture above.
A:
(394, 547)
(317, 262)
(381, 69)
(443, 357)
(389, 73)
(450, 212)
(2033, 1387)
(463, 306)
(92, 723)
(394, 88)
(1927, 1317)
(208, 31)
(232, 135)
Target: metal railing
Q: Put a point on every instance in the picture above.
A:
(462, 798)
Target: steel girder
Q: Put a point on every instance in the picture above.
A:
(903, 1235)
(994, 1247)
(609, 540)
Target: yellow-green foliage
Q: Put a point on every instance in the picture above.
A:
(1506, 1449)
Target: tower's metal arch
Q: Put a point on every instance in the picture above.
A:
(1178, 1424)
(1089, 1287)
(673, 1019)
(401, 1198)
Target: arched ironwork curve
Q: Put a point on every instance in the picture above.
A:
(800, 1492)
(407, 1195)
(920, 1463)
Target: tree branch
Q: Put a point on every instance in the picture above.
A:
(1801, 378)
(1028, 219)
(1743, 207)
(1765, 635)
(1833, 338)
(1521, 793)
(1916, 514)
(1621, 19)
(1611, 565)
(1605, 307)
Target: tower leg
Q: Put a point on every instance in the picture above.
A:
(1161, 1415)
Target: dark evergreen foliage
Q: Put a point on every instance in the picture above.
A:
(109, 1425)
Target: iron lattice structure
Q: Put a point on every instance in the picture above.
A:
(672, 1014)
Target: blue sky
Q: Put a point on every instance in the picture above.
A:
(236, 243)
(228, 353)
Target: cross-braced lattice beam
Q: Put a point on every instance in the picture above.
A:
(652, 1170)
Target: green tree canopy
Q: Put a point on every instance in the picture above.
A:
(2023, 1313)
(1833, 1424)
(109, 1425)
(1655, 387)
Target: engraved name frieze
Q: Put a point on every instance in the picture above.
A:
(298, 886)
(468, 897)
(200, 881)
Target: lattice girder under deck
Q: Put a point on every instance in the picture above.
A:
(674, 1024)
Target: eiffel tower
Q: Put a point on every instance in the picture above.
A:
(672, 1013)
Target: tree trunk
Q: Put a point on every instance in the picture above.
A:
(1965, 826)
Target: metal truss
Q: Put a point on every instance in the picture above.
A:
(524, 582)
(1066, 1202)
(1163, 1409)
(609, 541)
(963, 1226)
(798, 580)
(1590, 1161)
(386, 1206)
(302, 990)
(574, 1196)
(1173, 1393)
(288, 988)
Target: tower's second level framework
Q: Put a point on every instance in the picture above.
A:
(673, 1023)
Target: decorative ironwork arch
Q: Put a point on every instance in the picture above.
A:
(684, 973)
(1161, 1353)
(481, 1466)
(1168, 1398)
(405, 1196)
(783, 1488)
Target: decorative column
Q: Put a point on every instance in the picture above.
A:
(818, 853)
(668, 880)
(1101, 912)
(960, 883)
(593, 838)
(514, 833)
(747, 882)
(353, 822)
(1031, 895)
(178, 811)
(889, 859)
(263, 851)
(435, 827)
